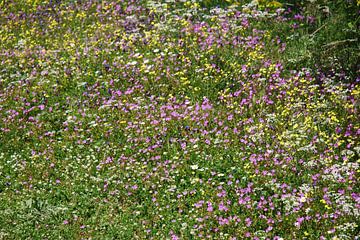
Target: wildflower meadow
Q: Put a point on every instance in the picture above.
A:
(179, 119)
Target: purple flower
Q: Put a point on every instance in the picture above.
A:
(174, 237)
(209, 207)
(199, 204)
(299, 221)
(222, 207)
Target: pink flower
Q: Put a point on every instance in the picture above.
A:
(223, 221)
(209, 207)
(222, 207)
(248, 222)
(199, 204)
(174, 237)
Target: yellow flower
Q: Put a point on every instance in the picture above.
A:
(274, 4)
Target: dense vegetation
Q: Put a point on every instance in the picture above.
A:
(179, 119)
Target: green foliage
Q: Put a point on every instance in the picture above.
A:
(328, 37)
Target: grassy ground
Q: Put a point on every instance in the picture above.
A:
(179, 120)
